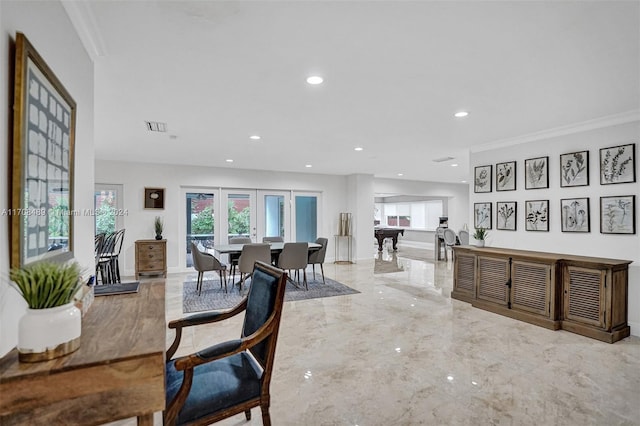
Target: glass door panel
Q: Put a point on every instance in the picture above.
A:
(274, 214)
(306, 218)
(108, 209)
(200, 222)
(240, 214)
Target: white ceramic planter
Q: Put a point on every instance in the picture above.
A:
(479, 243)
(45, 334)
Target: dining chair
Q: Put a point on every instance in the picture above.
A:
(104, 268)
(233, 258)
(114, 261)
(449, 241)
(272, 239)
(252, 253)
(232, 377)
(203, 262)
(317, 257)
(294, 256)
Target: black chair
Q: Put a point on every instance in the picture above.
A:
(104, 268)
(115, 255)
(231, 377)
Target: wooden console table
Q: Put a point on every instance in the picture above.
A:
(584, 295)
(117, 373)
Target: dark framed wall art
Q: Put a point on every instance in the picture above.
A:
(536, 173)
(574, 169)
(506, 215)
(536, 215)
(574, 213)
(482, 215)
(618, 164)
(43, 161)
(618, 214)
(154, 198)
(482, 179)
(506, 176)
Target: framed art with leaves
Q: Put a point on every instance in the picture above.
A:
(618, 214)
(536, 173)
(536, 215)
(618, 164)
(506, 176)
(482, 215)
(574, 213)
(482, 179)
(506, 215)
(574, 169)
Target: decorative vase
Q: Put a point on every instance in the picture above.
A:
(480, 243)
(44, 334)
(158, 236)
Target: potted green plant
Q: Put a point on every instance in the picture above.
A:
(480, 235)
(159, 227)
(52, 324)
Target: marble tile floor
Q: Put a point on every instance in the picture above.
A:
(402, 352)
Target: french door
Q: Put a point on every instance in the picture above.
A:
(238, 214)
(274, 214)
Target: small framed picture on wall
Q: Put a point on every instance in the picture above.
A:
(536, 173)
(574, 169)
(506, 215)
(618, 214)
(536, 215)
(506, 176)
(482, 179)
(574, 213)
(618, 164)
(154, 198)
(482, 215)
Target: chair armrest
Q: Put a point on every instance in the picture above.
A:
(225, 349)
(199, 319)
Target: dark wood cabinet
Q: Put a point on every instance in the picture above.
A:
(584, 295)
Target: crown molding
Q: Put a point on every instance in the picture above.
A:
(84, 21)
(598, 123)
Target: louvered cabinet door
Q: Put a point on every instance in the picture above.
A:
(531, 287)
(584, 295)
(464, 277)
(493, 274)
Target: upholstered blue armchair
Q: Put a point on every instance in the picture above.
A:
(231, 377)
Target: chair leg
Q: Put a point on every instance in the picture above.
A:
(306, 284)
(224, 274)
(266, 419)
(313, 266)
(199, 285)
(322, 269)
(247, 414)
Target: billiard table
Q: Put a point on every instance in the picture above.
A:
(381, 233)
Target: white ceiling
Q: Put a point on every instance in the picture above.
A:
(395, 73)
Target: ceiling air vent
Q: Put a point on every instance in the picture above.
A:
(442, 159)
(156, 126)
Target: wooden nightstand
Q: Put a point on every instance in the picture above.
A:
(151, 257)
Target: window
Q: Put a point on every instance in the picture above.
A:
(415, 215)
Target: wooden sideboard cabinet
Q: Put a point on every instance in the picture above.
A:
(584, 295)
(151, 257)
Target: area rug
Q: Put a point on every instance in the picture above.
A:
(213, 297)
(120, 288)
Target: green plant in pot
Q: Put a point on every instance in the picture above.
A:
(480, 235)
(52, 324)
(159, 227)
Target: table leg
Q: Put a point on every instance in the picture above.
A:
(145, 420)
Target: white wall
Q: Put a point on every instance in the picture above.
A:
(47, 26)
(588, 244)
(139, 222)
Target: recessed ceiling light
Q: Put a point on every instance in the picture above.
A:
(454, 165)
(254, 137)
(358, 148)
(461, 114)
(315, 79)
(463, 181)
(308, 165)
(229, 160)
(400, 174)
